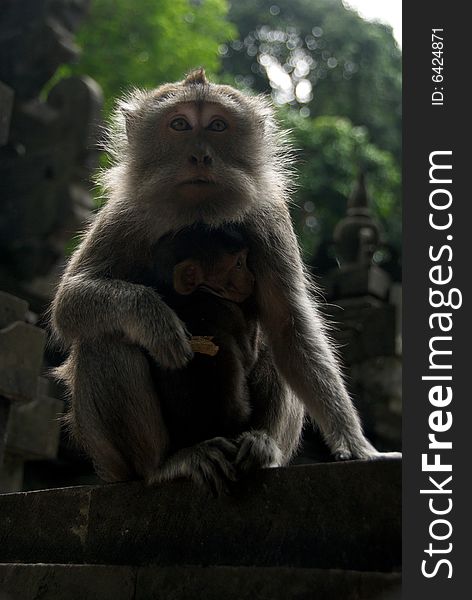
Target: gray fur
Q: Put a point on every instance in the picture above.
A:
(107, 320)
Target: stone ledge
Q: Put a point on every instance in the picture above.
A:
(71, 582)
(331, 515)
(76, 582)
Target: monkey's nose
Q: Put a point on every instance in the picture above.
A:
(200, 158)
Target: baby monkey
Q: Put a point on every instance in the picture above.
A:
(207, 405)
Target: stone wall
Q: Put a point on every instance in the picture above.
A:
(29, 417)
(46, 143)
(48, 136)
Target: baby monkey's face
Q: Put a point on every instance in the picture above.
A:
(228, 276)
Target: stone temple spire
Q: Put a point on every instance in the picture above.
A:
(357, 235)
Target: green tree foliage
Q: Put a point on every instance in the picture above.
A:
(332, 152)
(345, 65)
(147, 42)
(352, 66)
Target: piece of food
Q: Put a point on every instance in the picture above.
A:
(203, 345)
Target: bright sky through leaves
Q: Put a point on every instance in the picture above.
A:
(386, 11)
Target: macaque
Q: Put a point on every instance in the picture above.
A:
(193, 154)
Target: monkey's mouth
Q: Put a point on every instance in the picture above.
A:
(199, 181)
(233, 295)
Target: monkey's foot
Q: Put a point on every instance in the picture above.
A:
(361, 450)
(257, 450)
(387, 455)
(209, 464)
(356, 447)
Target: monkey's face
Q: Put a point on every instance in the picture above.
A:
(228, 276)
(199, 151)
(195, 158)
(200, 145)
(231, 278)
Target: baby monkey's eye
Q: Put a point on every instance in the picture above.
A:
(217, 125)
(239, 263)
(180, 124)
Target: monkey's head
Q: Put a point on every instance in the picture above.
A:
(196, 151)
(227, 276)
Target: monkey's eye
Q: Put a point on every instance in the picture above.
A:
(239, 263)
(217, 125)
(180, 124)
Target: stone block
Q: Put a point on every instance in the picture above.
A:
(43, 386)
(363, 328)
(5, 408)
(21, 355)
(264, 583)
(32, 53)
(359, 280)
(47, 526)
(71, 582)
(45, 176)
(6, 106)
(335, 515)
(376, 384)
(34, 429)
(11, 474)
(11, 309)
(104, 582)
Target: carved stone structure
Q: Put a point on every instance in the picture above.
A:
(29, 426)
(48, 135)
(365, 305)
(46, 144)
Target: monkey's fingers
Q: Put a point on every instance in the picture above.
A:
(228, 447)
(342, 455)
(222, 465)
(206, 477)
(213, 470)
(213, 481)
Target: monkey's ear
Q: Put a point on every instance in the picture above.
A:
(129, 110)
(129, 114)
(188, 275)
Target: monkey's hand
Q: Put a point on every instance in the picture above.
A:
(374, 456)
(212, 464)
(257, 450)
(209, 464)
(362, 451)
(158, 329)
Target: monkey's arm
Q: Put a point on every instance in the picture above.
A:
(297, 334)
(276, 419)
(88, 308)
(95, 299)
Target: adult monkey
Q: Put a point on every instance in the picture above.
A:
(186, 153)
